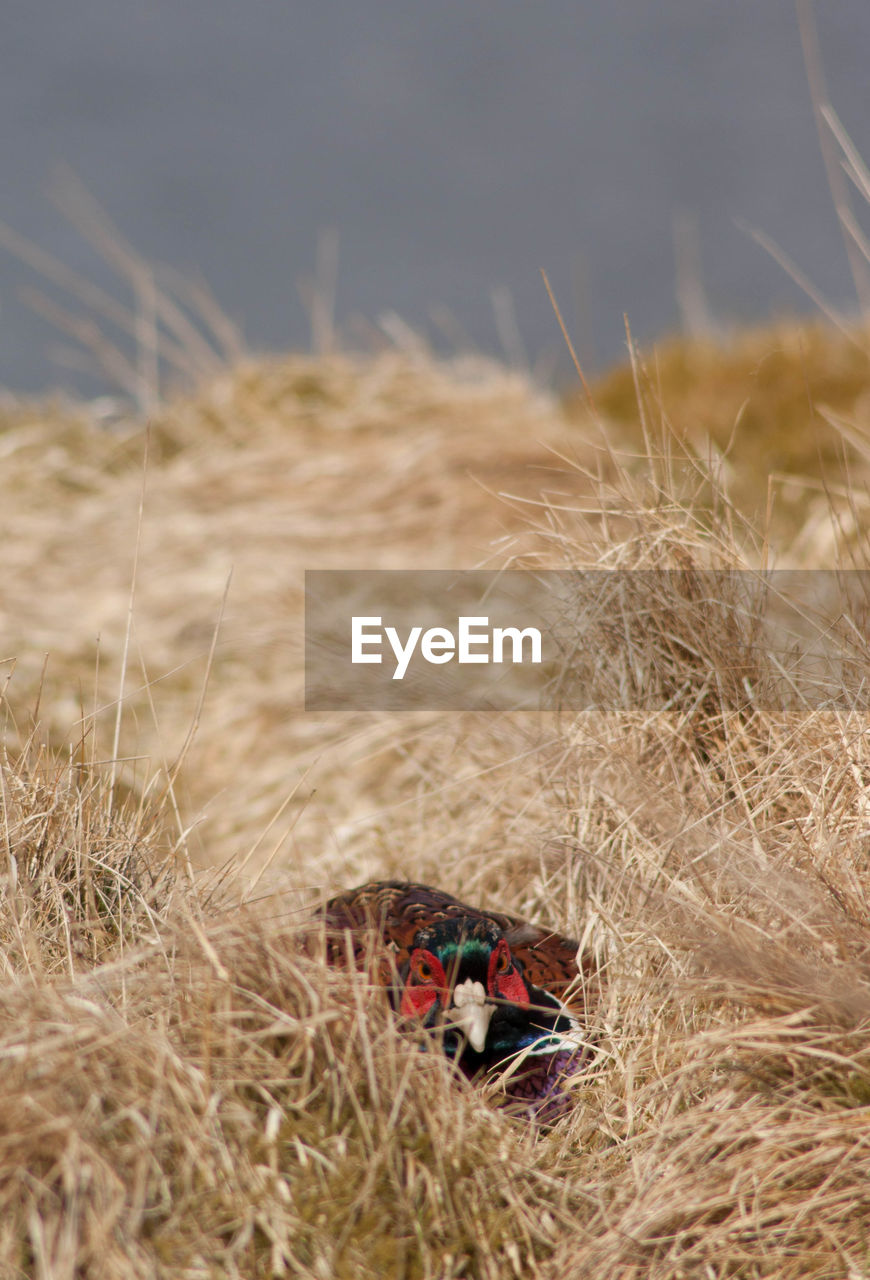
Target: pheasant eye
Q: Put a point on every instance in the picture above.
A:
(503, 963)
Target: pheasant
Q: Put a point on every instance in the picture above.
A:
(499, 993)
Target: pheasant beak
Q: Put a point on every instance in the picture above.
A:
(471, 1013)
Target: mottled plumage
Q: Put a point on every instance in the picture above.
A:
(497, 990)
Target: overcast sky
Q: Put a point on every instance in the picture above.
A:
(454, 148)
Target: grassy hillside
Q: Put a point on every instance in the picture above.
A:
(188, 1090)
(781, 414)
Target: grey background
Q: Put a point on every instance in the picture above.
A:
(454, 146)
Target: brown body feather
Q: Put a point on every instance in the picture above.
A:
(397, 909)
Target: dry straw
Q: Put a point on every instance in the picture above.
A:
(187, 1089)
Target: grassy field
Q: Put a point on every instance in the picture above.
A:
(187, 1090)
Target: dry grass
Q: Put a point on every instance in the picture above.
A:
(187, 1089)
(782, 415)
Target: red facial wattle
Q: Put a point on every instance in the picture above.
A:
(504, 980)
(426, 984)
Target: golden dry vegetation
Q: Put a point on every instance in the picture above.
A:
(187, 1090)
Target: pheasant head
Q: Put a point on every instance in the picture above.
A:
(462, 979)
